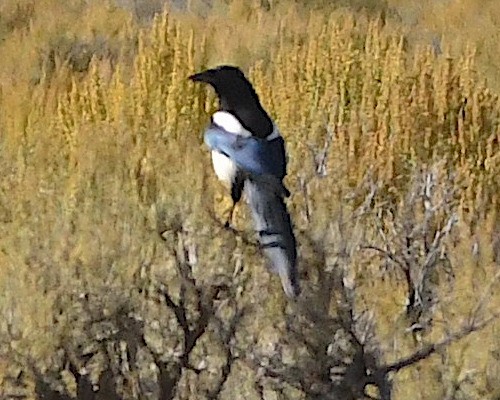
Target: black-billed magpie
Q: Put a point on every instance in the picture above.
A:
(248, 153)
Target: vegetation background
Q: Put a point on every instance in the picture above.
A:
(118, 279)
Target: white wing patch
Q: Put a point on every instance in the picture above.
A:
(229, 123)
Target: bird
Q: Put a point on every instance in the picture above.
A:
(248, 155)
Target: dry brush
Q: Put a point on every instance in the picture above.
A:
(119, 280)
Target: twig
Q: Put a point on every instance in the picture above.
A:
(387, 254)
(430, 349)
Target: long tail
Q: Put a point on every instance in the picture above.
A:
(274, 226)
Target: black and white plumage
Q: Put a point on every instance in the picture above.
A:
(248, 153)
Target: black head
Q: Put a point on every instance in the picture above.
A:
(218, 74)
(237, 95)
(229, 83)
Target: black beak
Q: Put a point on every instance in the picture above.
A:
(196, 77)
(204, 76)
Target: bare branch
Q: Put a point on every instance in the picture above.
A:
(180, 313)
(387, 254)
(430, 349)
(320, 157)
(242, 235)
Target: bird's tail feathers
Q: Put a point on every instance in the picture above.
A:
(272, 184)
(274, 226)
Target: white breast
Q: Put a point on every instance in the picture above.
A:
(224, 168)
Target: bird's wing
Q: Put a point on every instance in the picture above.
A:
(263, 160)
(274, 227)
(253, 155)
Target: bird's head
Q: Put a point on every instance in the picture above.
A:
(237, 96)
(218, 75)
(230, 84)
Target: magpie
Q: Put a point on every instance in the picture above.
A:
(248, 154)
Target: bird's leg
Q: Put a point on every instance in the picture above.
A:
(236, 192)
(229, 221)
